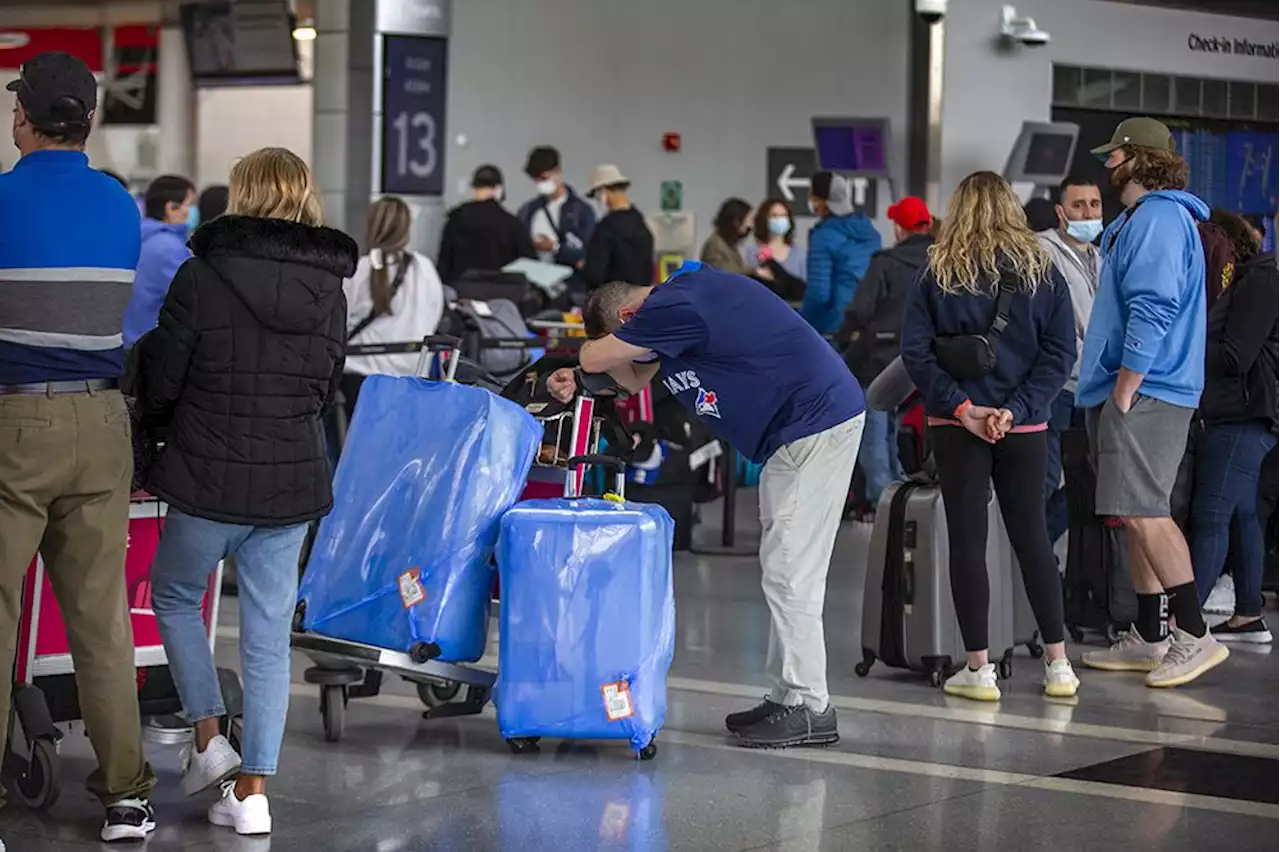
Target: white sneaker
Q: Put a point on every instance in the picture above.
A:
(248, 816)
(979, 685)
(202, 770)
(1222, 600)
(1060, 680)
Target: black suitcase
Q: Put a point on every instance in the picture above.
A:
(1097, 588)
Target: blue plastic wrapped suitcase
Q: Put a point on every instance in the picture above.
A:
(588, 621)
(404, 560)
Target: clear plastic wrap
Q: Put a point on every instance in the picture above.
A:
(406, 554)
(588, 620)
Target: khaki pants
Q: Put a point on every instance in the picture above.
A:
(802, 491)
(65, 467)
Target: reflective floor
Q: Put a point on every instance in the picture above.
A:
(1123, 767)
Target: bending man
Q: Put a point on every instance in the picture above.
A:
(762, 379)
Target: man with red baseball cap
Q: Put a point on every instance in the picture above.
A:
(871, 334)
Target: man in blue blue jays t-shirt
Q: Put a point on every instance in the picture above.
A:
(761, 378)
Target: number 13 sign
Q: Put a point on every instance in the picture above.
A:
(414, 81)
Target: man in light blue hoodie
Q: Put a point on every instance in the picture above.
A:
(1141, 374)
(169, 210)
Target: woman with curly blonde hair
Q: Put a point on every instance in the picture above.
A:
(989, 339)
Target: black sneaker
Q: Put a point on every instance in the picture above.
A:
(792, 726)
(739, 722)
(1254, 632)
(128, 819)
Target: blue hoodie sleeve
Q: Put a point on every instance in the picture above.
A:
(867, 244)
(158, 263)
(942, 394)
(1151, 284)
(820, 263)
(1057, 355)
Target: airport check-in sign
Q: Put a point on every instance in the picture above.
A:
(790, 170)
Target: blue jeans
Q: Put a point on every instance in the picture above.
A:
(267, 576)
(1228, 462)
(879, 453)
(1062, 416)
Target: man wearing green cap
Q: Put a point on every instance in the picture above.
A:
(1141, 374)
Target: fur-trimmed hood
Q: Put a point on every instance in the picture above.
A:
(288, 274)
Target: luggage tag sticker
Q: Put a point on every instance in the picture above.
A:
(411, 590)
(617, 701)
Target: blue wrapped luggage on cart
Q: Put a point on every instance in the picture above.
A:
(587, 620)
(404, 560)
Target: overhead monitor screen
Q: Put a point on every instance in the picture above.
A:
(851, 145)
(1042, 153)
(240, 41)
(1049, 154)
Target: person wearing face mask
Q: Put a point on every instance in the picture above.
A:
(558, 220)
(778, 265)
(840, 248)
(621, 247)
(732, 225)
(170, 217)
(481, 233)
(1141, 376)
(1071, 249)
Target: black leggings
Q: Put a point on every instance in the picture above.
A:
(1016, 464)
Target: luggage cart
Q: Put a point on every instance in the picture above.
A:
(345, 669)
(44, 689)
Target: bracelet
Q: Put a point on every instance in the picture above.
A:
(962, 408)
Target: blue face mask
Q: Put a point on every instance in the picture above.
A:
(779, 225)
(1084, 230)
(193, 217)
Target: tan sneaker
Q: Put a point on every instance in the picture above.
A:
(1130, 653)
(1188, 658)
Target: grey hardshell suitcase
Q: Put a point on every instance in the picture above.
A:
(908, 618)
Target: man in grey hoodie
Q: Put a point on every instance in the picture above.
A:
(1070, 246)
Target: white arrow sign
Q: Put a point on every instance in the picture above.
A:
(786, 182)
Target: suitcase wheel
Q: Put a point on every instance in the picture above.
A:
(1077, 635)
(1004, 668)
(863, 668)
(524, 745)
(1036, 650)
(333, 711)
(935, 678)
(649, 752)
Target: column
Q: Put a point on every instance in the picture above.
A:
(175, 105)
(371, 53)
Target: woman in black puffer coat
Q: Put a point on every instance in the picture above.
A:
(1240, 412)
(248, 352)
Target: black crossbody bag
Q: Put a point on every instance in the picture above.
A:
(972, 356)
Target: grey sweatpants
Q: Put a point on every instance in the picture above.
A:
(802, 493)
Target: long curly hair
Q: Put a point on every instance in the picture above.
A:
(984, 234)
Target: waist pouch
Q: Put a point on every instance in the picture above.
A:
(972, 356)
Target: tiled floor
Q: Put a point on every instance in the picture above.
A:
(1122, 767)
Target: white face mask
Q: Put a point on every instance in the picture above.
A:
(545, 188)
(813, 211)
(498, 193)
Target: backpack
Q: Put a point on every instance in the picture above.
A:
(1219, 259)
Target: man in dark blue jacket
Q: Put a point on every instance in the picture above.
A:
(559, 220)
(840, 249)
(68, 251)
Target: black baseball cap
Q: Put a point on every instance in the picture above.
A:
(56, 88)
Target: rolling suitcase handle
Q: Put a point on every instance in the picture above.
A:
(571, 483)
(437, 346)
